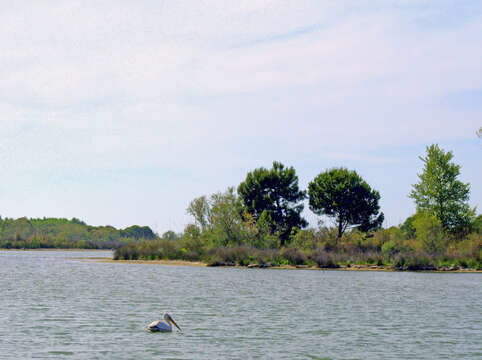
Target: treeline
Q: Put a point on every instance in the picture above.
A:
(260, 223)
(25, 233)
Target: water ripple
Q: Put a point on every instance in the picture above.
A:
(56, 306)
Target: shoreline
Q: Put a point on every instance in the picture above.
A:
(150, 262)
(167, 262)
(57, 249)
(278, 267)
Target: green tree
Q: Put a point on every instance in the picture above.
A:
(477, 224)
(440, 193)
(19, 229)
(170, 235)
(428, 230)
(199, 208)
(274, 191)
(345, 196)
(225, 218)
(407, 227)
(138, 232)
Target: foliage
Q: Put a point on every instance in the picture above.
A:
(440, 193)
(226, 232)
(345, 196)
(138, 232)
(225, 218)
(427, 248)
(200, 208)
(325, 259)
(304, 239)
(293, 256)
(17, 229)
(170, 235)
(64, 233)
(477, 225)
(428, 230)
(275, 193)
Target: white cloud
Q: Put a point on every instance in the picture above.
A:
(87, 88)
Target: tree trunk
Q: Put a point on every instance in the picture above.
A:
(340, 229)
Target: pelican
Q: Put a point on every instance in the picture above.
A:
(162, 326)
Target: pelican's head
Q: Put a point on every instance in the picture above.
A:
(170, 320)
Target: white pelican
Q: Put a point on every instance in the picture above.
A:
(162, 326)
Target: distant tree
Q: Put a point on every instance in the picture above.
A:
(407, 227)
(274, 191)
(191, 231)
(440, 192)
(77, 221)
(429, 231)
(225, 218)
(477, 224)
(199, 208)
(17, 229)
(170, 235)
(343, 195)
(479, 132)
(138, 232)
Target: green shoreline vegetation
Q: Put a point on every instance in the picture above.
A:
(259, 224)
(59, 233)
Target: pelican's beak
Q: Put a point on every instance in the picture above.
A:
(172, 321)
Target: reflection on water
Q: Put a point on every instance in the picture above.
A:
(55, 306)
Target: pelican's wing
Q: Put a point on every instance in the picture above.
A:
(159, 325)
(154, 323)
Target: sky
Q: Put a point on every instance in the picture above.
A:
(122, 112)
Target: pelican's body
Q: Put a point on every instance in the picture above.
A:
(159, 325)
(163, 326)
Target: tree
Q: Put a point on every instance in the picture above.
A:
(440, 193)
(274, 191)
(138, 232)
(199, 208)
(225, 218)
(428, 230)
(170, 235)
(19, 229)
(345, 196)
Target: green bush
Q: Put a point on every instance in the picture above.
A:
(293, 256)
(324, 259)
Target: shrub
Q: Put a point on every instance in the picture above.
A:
(304, 239)
(293, 256)
(324, 259)
(388, 248)
(428, 229)
(413, 262)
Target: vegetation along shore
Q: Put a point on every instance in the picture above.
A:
(260, 224)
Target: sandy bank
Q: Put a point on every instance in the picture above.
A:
(150, 262)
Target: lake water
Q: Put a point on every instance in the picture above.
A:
(53, 305)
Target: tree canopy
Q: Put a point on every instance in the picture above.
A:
(441, 193)
(274, 194)
(345, 196)
(64, 233)
(138, 232)
(199, 208)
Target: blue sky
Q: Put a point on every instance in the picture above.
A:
(121, 112)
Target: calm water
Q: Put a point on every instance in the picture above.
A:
(55, 306)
